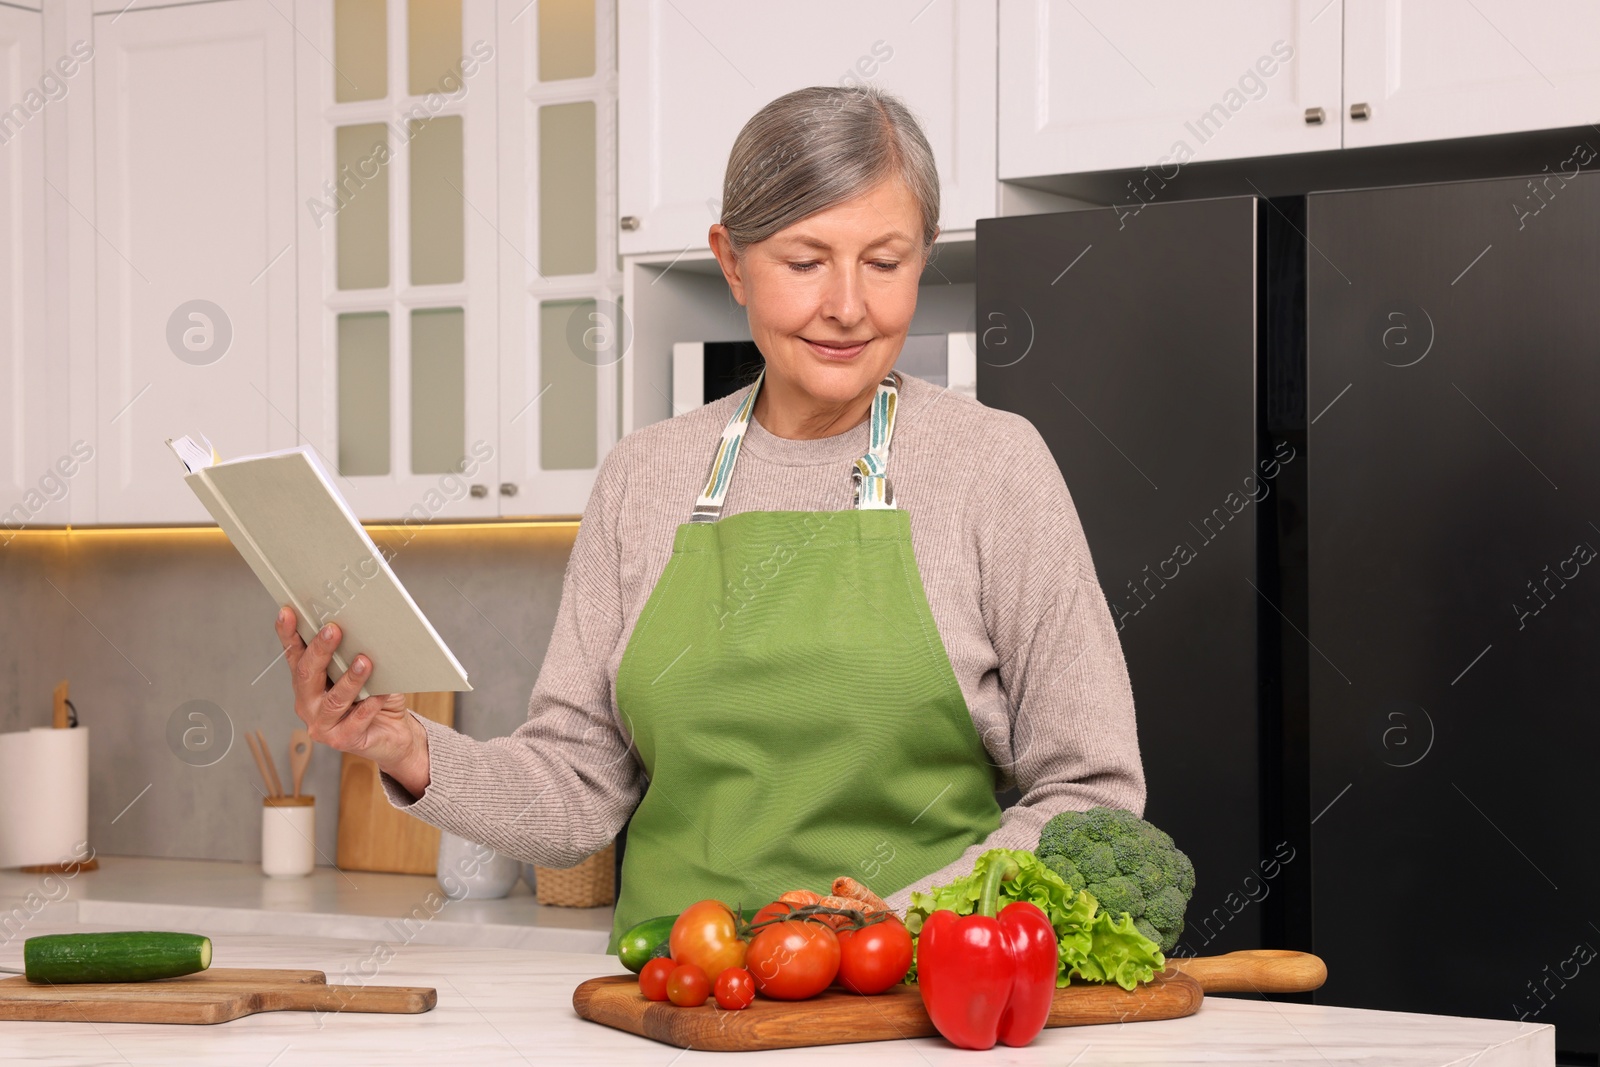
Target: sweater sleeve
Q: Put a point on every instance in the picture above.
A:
(565, 782)
(1073, 743)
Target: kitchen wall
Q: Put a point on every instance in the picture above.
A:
(142, 622)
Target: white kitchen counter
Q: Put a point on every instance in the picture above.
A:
(235, 898)
(509, 1006)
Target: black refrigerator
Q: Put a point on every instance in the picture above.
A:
(1454, 457)
(1378, 672)
(1130, 343)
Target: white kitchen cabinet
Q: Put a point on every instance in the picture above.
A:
(691, 72)
(1107, 84)
(1430, 69)
(397, 242)
(194, 269)
(33, 425)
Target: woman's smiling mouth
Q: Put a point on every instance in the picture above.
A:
(837, 350)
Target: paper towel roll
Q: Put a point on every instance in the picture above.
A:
(44, 795)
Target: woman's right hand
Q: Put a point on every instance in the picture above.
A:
(379, 727)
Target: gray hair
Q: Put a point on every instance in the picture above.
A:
(813, 148)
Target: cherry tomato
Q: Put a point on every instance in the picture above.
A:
(653, 979)
(793, 960)
(874, 957)
(735, 989)
(707, 936)
(687, 986)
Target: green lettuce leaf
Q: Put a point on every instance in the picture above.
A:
(1116, 952)
(1034, 883)
(1093, 945)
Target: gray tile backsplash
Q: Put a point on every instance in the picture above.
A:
(143, 622)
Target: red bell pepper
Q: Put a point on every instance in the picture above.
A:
(985, 977)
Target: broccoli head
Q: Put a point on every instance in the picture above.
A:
(1097, 862)
(1053, 840)
(1118, 894)
(1066, 869)
(1165, 908)
(1127, 864)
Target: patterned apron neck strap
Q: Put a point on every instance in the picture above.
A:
(870, 472)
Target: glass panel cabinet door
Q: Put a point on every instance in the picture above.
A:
(360, 50)
(363, 383)
(433, 41)
(566, 39)
(361, 154)
(567, 232)
(567, 387)
(562, 328)
(438, 390)
(397, 252)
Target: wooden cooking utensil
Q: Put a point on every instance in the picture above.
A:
(835, 1017)
(272, 766)
(299, 756)
(261, 763)
(60, 716)
(211, 996)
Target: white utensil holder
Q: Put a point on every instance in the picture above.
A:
(288, 836)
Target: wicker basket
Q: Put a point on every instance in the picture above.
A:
(591, 884)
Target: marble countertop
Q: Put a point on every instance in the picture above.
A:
(514, 1006)
(235, 898)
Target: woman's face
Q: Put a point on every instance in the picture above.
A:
(830, 297)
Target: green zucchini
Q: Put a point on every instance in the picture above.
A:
(645, 942)
(120, 956)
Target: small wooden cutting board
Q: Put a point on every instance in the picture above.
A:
(211, 996)
(836, 1017)
(374, 835)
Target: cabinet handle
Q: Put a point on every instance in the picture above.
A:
(1314, 116)
(479, 490)
(629, 222)
(1360, 111)
(508, 488)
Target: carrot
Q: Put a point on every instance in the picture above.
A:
(848, 894)
(843, 902)
(866, 900)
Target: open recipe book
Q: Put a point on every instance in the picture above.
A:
(282, 512)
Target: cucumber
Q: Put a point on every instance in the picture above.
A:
(121, 956)
(646, 942)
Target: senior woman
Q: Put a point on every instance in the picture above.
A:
(810, 628)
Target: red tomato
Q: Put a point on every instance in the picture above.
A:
(687, 986)
(793, 960)
(735, 989)
(653, 979)
(874, 957)
(707, 936)
(772, 911)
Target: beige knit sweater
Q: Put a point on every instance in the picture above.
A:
(1008, 577)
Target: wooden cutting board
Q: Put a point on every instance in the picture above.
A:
(373, 834)
(211, 996)
(836, 1017)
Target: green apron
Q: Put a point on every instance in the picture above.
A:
(793, 705)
